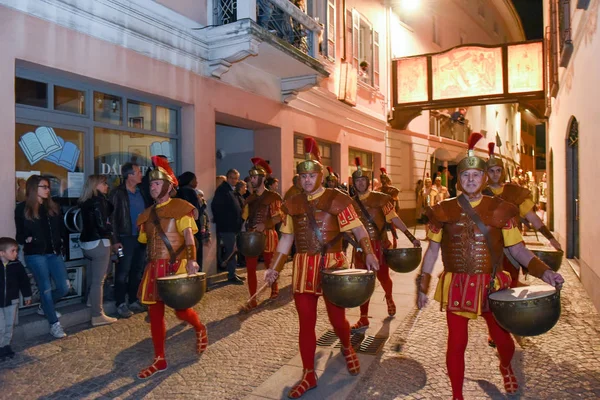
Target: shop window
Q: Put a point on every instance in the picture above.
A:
(69, 100)
(166, 120)
(113, 148)
(31, 93)
(53, 152)
(108, 108)
(139, 115)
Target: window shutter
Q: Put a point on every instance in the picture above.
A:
(349, 37)
(331, 31)
(376, 59)
(355, 39)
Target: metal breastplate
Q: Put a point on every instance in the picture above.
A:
(156, 246)
(464, 248)
(306, 239)
(258, 212)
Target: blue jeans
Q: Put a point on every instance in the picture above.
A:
(45, 267)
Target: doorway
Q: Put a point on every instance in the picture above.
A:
(572, 149)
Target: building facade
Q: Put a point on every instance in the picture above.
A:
(573, 42)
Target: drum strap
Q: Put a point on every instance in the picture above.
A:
(172, 253)
(497, 258)
(310, 215)
(365, 212)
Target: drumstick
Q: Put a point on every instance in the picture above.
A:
(259, 291)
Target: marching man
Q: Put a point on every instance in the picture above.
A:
(375, 209)
(168, 228)
(318, 246)
(469, 265)
(261, 212)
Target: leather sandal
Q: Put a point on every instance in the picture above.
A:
(308, 382)
(201, 340)
(510, 380)
(491, 342)
(159, 365)
(390, 305)
(352, 362)
(361, 325)
(274, 291)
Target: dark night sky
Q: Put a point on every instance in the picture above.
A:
(532, 18)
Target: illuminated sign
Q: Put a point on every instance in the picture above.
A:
(412, 79)
(525, 68)
(467, 72)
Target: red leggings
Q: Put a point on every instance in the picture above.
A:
(158, 328)
(306, 305)
(251, 263)
(383, 276)
(458, 336)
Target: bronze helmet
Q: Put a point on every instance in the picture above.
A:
(495, 161)
(312, 161)
(471, 161)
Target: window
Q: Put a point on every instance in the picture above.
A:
(108, 108)
(366, 159)
(331, 31)
(113, 148)
(139, 115)
(324, 148)
(31, 93)
(363, 50)
(166, 120)
(56, 153)
(69, 100)
(435, 34)
(325, 15)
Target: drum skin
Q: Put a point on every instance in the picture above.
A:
(523, 312)
(252, 244)
(182, 291)
(347, 288)
(403, 260)
(550, 257)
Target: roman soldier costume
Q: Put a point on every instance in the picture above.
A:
(162, 227)
(517, 195)
(393, 192)
(375, 210)
(317, 222)
(263, 208)
(463, 286)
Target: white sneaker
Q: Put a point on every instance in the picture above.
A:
(56, 330)
(40, 311)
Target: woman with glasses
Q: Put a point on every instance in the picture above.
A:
(95, 241)
(40, 230)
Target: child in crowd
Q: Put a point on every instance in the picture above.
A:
(12, 280)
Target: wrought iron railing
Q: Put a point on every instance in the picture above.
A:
(281, 18)
(225, 11)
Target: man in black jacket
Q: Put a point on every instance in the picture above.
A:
(227, 214)
(129, 202)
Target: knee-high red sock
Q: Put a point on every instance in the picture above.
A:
(514, 273)
(458, 337)
(189, 315)
(306, 305)
(503, 340)
(157, 328)
(251, 263)
(337, 318)
(383, 275)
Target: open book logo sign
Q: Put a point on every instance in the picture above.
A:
(44, 144)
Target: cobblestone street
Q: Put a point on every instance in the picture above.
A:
(245, 349)
(561, 364)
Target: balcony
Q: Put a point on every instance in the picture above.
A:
(441, 124)
(274, 36)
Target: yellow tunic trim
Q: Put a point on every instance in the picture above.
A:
(182, 224)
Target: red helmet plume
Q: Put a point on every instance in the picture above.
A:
(261, 167)
(311, 149)
(162, 170)
(491, 147)
(473, 139)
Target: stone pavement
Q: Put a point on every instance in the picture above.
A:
(250, 352)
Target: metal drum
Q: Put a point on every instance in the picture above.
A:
(182, 291)
(526, 311)
(252, 244)
(403, 260)
(347, 288)
(553, 258)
